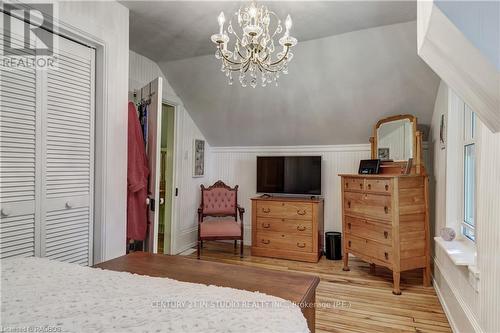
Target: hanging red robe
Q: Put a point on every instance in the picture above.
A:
(137, 178)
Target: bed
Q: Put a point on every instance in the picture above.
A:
(168, 294)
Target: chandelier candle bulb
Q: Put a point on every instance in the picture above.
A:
(254, 44)
(221, 20)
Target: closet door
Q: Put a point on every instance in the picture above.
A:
(18, 154)
(68, 156)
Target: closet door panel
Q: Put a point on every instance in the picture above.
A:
(18, 153)
(69, 156)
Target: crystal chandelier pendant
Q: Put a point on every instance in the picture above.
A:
(255, 32)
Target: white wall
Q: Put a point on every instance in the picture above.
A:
(106, 23)
(468, 310)
(333, 83)
(184, 225)
(238, 166)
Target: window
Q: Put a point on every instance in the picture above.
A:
(469, 185)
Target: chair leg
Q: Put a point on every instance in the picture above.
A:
(201, 244)
(235, 244)
(198, 249)
(241, 248)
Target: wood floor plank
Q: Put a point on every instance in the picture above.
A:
(356, 301)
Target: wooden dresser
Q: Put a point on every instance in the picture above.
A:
(288, 228)
(386, 222)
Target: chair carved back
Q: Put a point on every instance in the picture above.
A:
(219, 200)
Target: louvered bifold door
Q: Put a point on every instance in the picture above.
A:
(68, 156)
(18, 154)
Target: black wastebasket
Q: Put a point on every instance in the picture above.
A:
(333, 241)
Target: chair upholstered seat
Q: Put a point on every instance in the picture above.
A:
(220, 228)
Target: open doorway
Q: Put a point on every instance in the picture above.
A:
(166, 179)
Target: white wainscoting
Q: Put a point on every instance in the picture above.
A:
(237, 166)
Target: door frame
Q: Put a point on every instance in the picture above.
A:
(174, 213)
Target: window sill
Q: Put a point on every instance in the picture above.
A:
(461, 252)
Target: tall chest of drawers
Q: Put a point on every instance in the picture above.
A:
(385, 221)
(288, 228)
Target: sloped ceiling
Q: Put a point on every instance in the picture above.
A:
(172, 30)
(338, 87)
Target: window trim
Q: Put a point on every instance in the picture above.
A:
(469, 137)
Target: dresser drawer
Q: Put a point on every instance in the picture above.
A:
(298, 210)
(270, 208)
(283, 241)
(378, 185)
(353, 203)
(376, 231)
(353, 184)
(299, 227)
(377, 206)
(369, 248)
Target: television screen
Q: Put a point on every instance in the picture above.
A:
(289, 174)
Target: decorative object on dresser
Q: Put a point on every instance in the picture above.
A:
(385, 217)
(220, 201)
(287, 227)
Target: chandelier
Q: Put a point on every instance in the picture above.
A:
(255, 53)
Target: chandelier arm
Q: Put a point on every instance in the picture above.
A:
(247, 66)
(229, 60)
(282, 58)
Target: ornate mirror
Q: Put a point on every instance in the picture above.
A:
(395, 141)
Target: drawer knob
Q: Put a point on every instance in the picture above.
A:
(301, 228)
(386, 234)
(349, 243)
(387, 187)
(301, 245)
(69, 204)
(346, 185)
(386, 209)
(266, 225)
(266, 210)
(349, 204)
(301, 212)
(386, 255)
(369, 186)
(361, 186)
(5, 212)
(265, 241)
(349, 225)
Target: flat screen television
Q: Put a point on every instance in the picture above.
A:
(289, 175)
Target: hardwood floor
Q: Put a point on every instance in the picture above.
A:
(354, 301)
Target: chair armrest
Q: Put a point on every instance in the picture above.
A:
(241, 210)
(200, 214)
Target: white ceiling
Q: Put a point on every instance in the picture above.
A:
(337, 89)
(171, 30)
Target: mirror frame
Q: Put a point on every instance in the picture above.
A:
(399, 166)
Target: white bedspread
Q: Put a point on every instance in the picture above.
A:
(39, 293)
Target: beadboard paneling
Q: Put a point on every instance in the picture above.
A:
(237, 165)
(488, 229)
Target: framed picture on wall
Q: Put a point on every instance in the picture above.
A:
(198, 158)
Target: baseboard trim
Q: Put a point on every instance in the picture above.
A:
(459, 299)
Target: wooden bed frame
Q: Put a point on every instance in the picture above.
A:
(297, 288)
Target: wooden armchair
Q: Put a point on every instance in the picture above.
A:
(220, 200)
